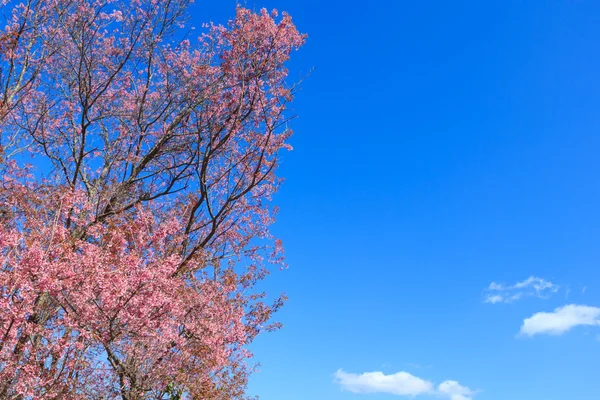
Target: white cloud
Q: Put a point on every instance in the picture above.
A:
(494, 298)
(400, 384)
(532, 286)
(561, 320)
(455, 391)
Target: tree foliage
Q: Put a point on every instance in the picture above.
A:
(128, 259)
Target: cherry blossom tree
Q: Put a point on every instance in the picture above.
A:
(129, 256)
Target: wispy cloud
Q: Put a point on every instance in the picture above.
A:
(400, 384)
(561, 320)
(455, 391)
(532, 286)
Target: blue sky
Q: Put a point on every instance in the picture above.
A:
(440, 147)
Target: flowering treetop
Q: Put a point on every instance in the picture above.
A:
(127, 263)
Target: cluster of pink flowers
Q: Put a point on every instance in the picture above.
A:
(127, 260)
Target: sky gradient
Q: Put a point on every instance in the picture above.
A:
(441, 207)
